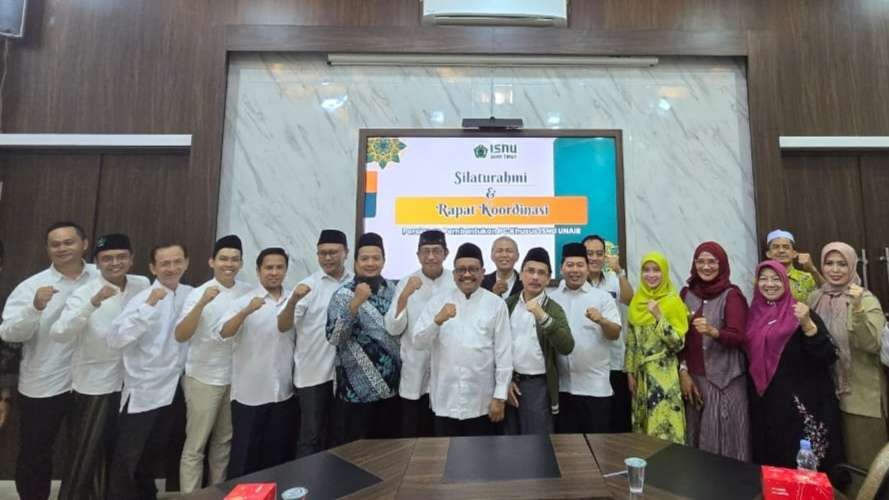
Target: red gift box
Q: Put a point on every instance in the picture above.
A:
(779, 483)
(253, 491)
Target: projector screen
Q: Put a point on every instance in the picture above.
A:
(542, 188)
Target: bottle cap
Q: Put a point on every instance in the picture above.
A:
(805, 444)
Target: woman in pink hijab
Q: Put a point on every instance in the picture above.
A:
(855, 320)
(790, 356)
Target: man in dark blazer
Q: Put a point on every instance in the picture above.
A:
(505, 280)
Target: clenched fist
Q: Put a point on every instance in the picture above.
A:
(209, 294)
(499, 287)
(447, 312)
(362, 293)
(105, 293)
(156, 295)
(855, 293)
(704, 328)
(300, 292)
(805, 262)
(613, 262)
(593, 314)
(43, 296)
(801, 311)
(254, 305)
(655, 309)
(533, 306)
(413, 284)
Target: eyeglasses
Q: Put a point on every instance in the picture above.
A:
(435, 252)
(464, 270)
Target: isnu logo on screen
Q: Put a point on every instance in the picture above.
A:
(496, 151)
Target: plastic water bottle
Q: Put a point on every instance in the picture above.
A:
(805, 458)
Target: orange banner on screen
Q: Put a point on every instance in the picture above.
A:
(528, 210)
(370, 182)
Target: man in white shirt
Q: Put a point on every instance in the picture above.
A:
(152, 360)
(504, 281)
(206, 384)
(413, 292)
(306, 310)
(467, 332)
(540, 334)
(45, 372)
(615, 282)
(584, 379)
(97, 370)
(264, 412)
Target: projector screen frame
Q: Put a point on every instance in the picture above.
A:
(616, 134)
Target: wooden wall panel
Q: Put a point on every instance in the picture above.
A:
(875, 170)
(39, 189)
(822, 197)
(141, 195)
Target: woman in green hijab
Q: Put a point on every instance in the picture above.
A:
(658, 321)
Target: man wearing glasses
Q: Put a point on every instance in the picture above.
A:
(413, 292)
(306, 310)
(467, 332)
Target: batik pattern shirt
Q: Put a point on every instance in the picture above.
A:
(367, 363)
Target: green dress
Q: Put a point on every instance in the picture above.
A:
(651, 358)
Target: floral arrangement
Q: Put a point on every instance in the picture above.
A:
(815, 431)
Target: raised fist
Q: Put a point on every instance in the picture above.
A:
(156, 295)
(255, 304)
(300, 292)
(613, 262)
(43, 296)
(654, 309)
(700, 324)
(209, 294)
(105, 293)
(593, 314)
(447, 312)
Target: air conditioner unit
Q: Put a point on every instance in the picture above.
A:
(552, 13)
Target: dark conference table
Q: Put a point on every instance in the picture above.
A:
(515, 467)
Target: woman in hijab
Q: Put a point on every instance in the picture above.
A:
(712, 372)
(855, 320)
(658, 321)
(790, 356)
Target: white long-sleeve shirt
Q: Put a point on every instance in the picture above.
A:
(471, 353)
(586, 371)
(262, 357)
(209, 361)
(96, 368)
(313, 356)
(527, 356)
(610, 284)
(152, 358)
(414, 362)
(45, 369)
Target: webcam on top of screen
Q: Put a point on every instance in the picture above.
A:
(493, 123)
